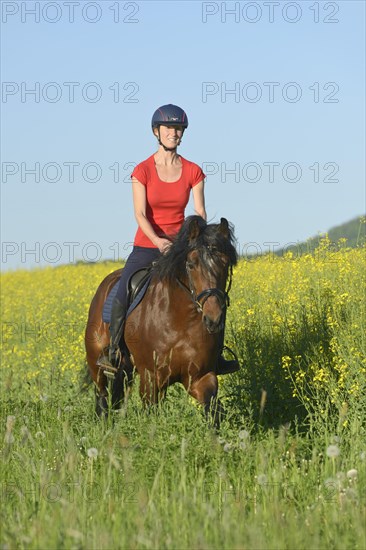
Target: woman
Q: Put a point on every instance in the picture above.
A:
(161, 188)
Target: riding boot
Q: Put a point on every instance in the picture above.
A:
(116, 327)
(227, 367)
(110, 364)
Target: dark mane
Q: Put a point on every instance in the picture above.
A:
(195, 234)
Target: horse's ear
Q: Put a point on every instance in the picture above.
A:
(194, 230)
(224, 228)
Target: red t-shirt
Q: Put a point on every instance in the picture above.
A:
(165, 202)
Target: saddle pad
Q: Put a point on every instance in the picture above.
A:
(107, 308)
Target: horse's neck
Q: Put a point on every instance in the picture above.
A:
(172, 294)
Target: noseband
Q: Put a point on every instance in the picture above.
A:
(200, 299)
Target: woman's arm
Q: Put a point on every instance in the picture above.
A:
(199, 199)
(139, 204)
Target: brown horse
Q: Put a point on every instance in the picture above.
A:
(176, 332)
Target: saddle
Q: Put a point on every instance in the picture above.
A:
(136, 288)
(135, 284)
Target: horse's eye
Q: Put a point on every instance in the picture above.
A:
(190, 265)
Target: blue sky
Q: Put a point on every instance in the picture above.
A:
(274, 93)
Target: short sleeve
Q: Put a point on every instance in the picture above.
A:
(139, 172)
(197, 175)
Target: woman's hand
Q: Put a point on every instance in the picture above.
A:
(163, 244)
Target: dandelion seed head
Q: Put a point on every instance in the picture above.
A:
(330, 482)
(26, 435)
(227, 447)
(9, 438)
(261, 479)
(10, 421)
(114, 461)
(351, 494)
(333, 451)
(222, 473)
(243, 434)
(92, 452)
(352, 473)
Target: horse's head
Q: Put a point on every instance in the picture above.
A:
(200, 260)
(211, 255)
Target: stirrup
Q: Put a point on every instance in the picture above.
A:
(226, 348)
(106, 366)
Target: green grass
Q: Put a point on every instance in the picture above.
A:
(164, 478)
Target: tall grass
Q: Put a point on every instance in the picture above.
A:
(286, 470)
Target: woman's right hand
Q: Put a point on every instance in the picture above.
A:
(163, 245)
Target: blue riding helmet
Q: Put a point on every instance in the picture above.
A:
(169, 115)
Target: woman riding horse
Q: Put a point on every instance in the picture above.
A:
(161, 187)
(174, 333)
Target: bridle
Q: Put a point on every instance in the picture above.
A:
(200, 299)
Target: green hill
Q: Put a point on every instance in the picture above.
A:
(354, 231)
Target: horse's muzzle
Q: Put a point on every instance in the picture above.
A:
(213, 326)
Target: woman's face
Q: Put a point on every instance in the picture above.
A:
(170, 136)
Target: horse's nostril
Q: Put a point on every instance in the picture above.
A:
(212, 326)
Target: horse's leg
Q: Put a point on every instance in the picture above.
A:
(148, 388)
(205, 391)
(101, 394)
(101, 404)
(150, 391)
(121, 384)
(106, 395)
(114, 393)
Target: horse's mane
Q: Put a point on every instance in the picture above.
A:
(209, 241)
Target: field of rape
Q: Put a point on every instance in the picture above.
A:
(286, 470)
